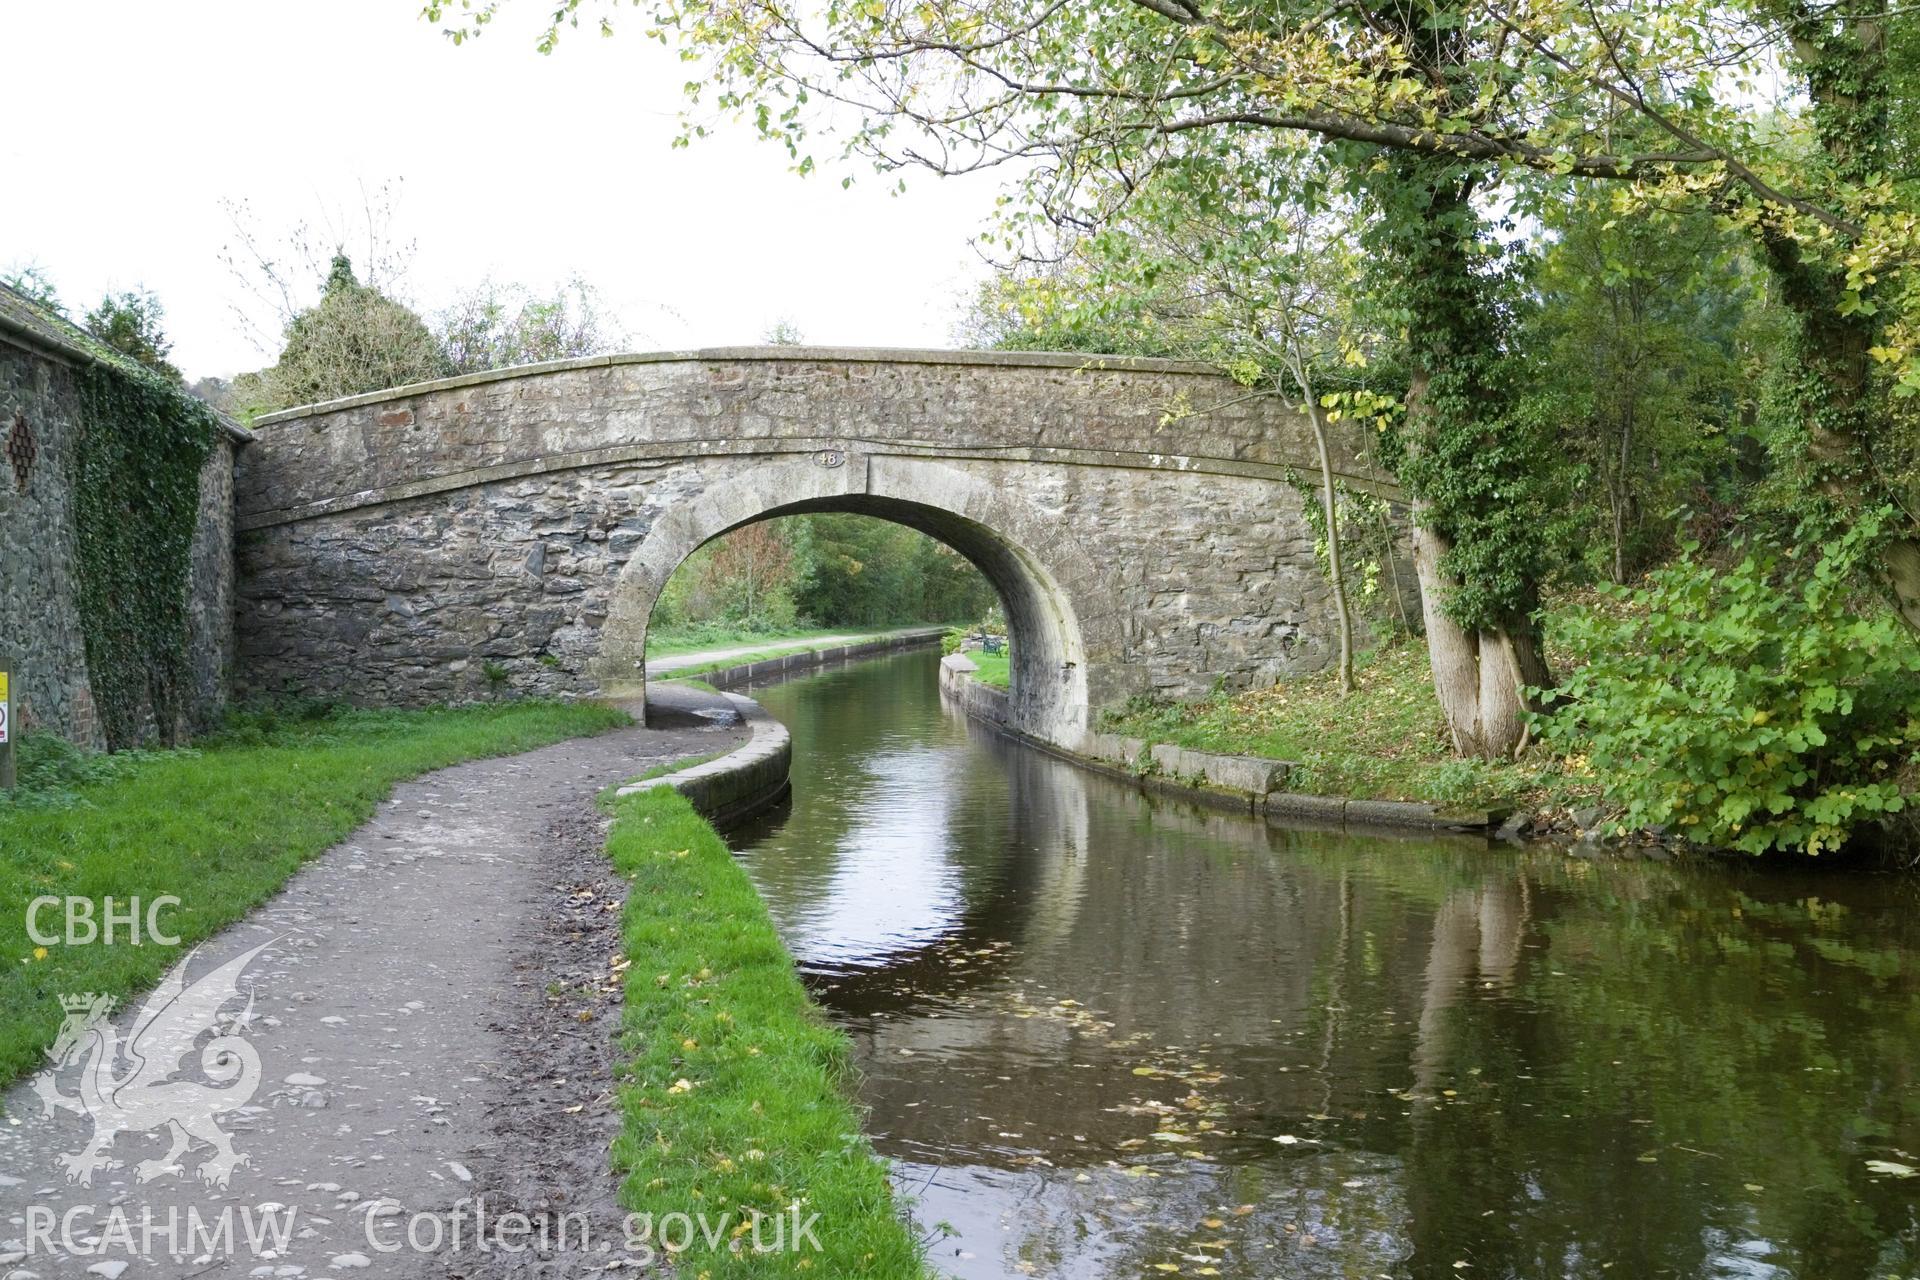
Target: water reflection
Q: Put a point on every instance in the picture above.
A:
(1105, 1034)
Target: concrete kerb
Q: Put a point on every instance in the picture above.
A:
(745, 781)
(1249, 783)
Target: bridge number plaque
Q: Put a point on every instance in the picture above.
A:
(830, 458)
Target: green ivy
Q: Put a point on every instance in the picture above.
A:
(136, 485)
(1480, 469)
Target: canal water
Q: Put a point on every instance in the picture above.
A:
(1108, 1035)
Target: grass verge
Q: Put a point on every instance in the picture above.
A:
(736, 1098)
(220, 826)
(995, 668)
(1385, 741)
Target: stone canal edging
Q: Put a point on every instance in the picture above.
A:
(747, 672)
(741, 783)
(1251, 782)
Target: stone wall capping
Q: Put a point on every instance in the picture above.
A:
(47, 343)
(796, 355)
(745, 781)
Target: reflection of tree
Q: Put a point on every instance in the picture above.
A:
(1530, 1064)
(1663, 1049)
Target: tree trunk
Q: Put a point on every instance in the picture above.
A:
(1620, 498)
(1329, 501)
(1848, 79)
(1619, 541)
(1296, 359)
(1479, 677)
(1901, 557)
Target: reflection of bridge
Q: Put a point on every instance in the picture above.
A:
(1134, 515)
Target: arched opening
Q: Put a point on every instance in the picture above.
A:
(791, 578)
(1048, 679)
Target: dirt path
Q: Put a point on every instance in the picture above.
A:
(433, 1017)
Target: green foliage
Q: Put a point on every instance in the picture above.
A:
(1791, 125)
(133, 323)
(1482, 471)
(789, 574)
(354, 339)
(136, 485)
(54, 773)
(1637, 361)
(783, 333)
(1742, 711)
(743, 580)
(1065, 307)
(736, 1089)
(1374, 542)
(496, 326)
(34, 284)
(861, 571)
(231, 819)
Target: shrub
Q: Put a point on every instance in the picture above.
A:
(355, 339)
(1739, 711)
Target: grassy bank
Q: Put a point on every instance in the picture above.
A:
(736, 1098)
(995, 668)
(220, 827)
(1385, 741)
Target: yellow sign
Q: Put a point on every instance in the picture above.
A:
(3, 686)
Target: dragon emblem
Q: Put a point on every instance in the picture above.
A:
(136, 1084)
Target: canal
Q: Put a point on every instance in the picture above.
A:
(1109, 1035)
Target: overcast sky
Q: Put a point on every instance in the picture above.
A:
(134, 120)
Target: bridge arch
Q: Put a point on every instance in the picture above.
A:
(468, 537)
(1062, 631)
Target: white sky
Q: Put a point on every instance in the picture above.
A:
(130, 121)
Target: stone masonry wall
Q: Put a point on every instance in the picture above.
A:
(40, 626)
(468, 538)
(410, 602)
(39, 615)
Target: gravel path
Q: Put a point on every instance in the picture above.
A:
(433, 1017)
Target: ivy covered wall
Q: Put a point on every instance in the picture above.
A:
(116, 536)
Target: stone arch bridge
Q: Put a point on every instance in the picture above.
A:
(1136, 517)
